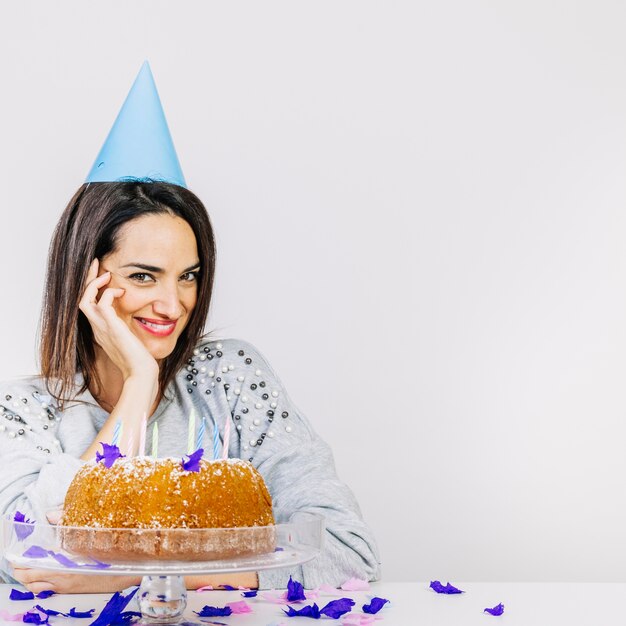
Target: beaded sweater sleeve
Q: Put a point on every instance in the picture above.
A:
(295, 462)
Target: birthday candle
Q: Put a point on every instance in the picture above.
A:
(216, 440)
(191, 432)
(131, 441)
(226, 438)
(155, 440)
(142, 435)
(200, 433)
(117, 432)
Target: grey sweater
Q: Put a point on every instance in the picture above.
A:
(40, 449)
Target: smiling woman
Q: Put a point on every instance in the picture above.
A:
(127, 295)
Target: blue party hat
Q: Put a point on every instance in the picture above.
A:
(139, 146)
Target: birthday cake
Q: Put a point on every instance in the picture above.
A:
(139, 508)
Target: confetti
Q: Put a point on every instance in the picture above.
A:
(374, 606)
(337, 608)
(449, 589)
(295, 591)
(214, 611)
(192, 464)
(16, 594)
(113, 608)
(239, 608)
(109, 455)
(312, 611)
(355, 584)
(24, 527)
(496, 610)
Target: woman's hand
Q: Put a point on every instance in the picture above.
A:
(123, 348)
(37, 580)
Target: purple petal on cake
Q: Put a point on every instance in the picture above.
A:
(34, 618)
(214, 611)
(435, 585)
(80, 614)
(109, 455)
(63, 560)
(36, 552)
(295, 591)
(250, 594)
(113, 608)
(496, 610)
(24, 527)
(374, 606)
(337, 608)
(45, 594)
(16, 594)
(192, 464)
(311, 611)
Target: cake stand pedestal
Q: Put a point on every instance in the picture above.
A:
(162, 595)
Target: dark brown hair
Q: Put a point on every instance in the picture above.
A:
(89, 229)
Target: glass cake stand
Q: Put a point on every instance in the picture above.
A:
(161, 556)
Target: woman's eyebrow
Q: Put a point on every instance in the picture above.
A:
(158, 270)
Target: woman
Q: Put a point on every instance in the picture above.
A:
(128, 289)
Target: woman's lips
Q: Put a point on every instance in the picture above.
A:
(161, 328)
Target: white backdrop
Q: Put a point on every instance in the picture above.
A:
(420, 217)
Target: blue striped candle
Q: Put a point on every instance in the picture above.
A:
(201, 430)
(216, 440)
(117, 433)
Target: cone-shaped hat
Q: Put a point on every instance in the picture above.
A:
(139, 145)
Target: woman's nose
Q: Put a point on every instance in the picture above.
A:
(168, 302)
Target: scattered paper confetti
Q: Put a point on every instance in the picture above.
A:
(337, 608)
(295, 591)
(374, 606)
(16, 594)
(35, 552)
(45, 594)
(205, 588)
(329, 589)
(24, 527)
(355, 584)
(312, 611)
(34, 618)
(113, 608)
(9, 617)
(109, 455)
(250, 594)
(239, 608)
(192, 464)
(214, 611)
(449, 589)
(357, 619)
(496, 610)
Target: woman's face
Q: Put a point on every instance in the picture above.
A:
(156, 262)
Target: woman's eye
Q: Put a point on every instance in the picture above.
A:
(190, 277)
(141, 278)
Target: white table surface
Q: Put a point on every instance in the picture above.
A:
(412, 604)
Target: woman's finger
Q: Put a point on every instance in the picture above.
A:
(107, 297)
(91, 291)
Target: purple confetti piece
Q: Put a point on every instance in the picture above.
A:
(16, 594)
(49, 612)
(250, 594)
(125, 618)
(113, 608)
(24, 527)
(337, 608)
(45, 594)
(109, 455)
(192, 464)
(214, 611)
(80, 614)
(496, 610)
(449, 589)
(36, 552)
(34, 618)
(295, 591)
(63, 560)
(229, 588)
(374, 606)
(97, 564)
(311, 611)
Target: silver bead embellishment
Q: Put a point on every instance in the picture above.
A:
(231, 368)
(273, 405)
(203, 369)
(237, 391)
(274, 394)
(258, 405)
(211, 374)
(196, 352)
(219, 346)
(224, 369)
(257, 372)
(270, 433)
(244, 398)
(240, 379)
(288, 429)
(257, 422)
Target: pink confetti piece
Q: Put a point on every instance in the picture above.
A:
(205, 588)
(274, 597)
(358, 619)
(355, 584)
(9, 617)
(329, 589)
(240, 607)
